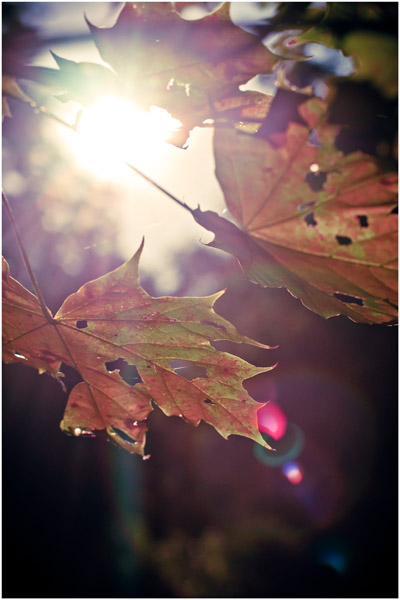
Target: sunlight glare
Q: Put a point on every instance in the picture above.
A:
(113, 130)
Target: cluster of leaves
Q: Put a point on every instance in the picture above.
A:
(305, 215)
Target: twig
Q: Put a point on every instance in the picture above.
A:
(157, 186)
(33, 279)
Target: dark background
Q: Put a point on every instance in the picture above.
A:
(202, 517)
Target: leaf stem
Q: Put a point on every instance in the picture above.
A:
(25, 258)
(158, 186)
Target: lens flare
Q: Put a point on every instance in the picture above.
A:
(336, 560)
(272, 420)
(293, 472)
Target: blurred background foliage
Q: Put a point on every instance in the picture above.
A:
(203, 517)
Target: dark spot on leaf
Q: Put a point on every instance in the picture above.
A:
(129, 373)
(89, 294)
(212, 324)
(349, 299)
(393, 304)
(188, 370)
(343, 240)
(130, 423)
(363, 220)
(74, 405)
(208, 401)
(310, 220)
(316, 180)
(306, 205)
(395, 210)
(81, 324)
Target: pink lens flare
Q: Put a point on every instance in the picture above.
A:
(272, 420)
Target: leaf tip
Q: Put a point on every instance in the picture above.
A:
(138, 253)
(60, 61)
(216, 296)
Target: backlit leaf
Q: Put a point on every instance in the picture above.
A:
(113, 318)
(183, 66)
(313, 220)
(150, 40)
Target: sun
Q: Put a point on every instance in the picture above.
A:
(114, 130)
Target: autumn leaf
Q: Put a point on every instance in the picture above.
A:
(192, 69)
(183, 66)
(313, 220)
(113, 318)
(151, 41)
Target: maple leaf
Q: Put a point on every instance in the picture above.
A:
(113, 318)
(190, 68)
(313, 220)
(150, 40)
(184, 66)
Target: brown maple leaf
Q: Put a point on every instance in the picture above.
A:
(191, 68)
(113, 318)
(151, 42)
(313, 220)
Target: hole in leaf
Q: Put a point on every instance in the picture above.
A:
(363, 220)
(129, 373)
(316, 180)
(18, 355)
(123, 435)
(343, 240)
(130, 423)
(81, 324)
(208, 401)
(349, 299)
(310, 220)
(188, 370)
(395, 210)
